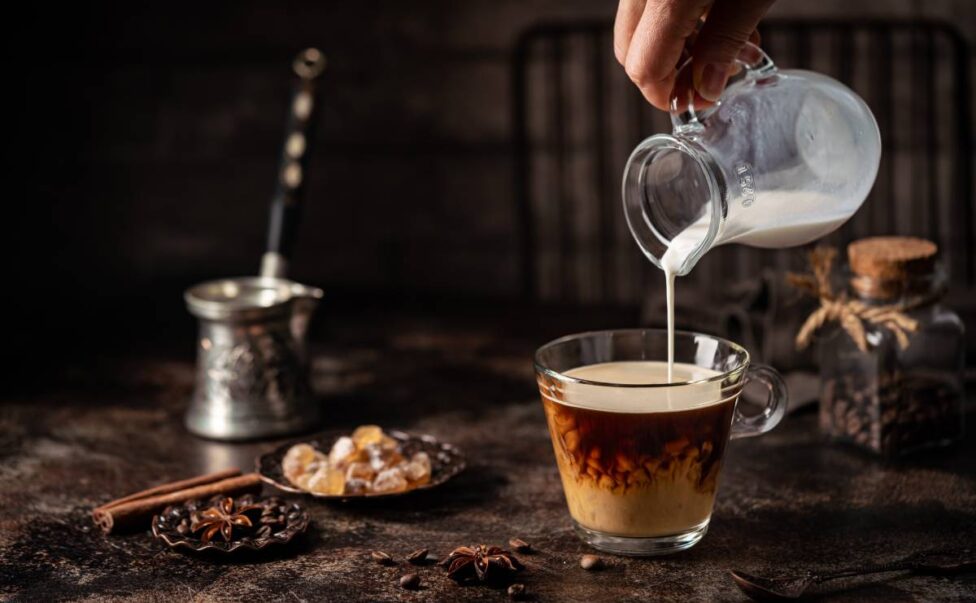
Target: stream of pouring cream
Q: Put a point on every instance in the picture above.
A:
(680, 247)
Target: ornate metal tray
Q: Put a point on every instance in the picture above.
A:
(446, 461)
(167, 525)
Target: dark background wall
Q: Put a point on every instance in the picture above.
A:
(143, 143)
(163, 127)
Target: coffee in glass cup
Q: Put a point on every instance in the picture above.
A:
(639, 456)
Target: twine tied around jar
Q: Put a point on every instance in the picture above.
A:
(850, 313)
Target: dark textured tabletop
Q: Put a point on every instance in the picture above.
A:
(107, 425)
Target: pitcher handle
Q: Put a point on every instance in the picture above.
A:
(753, 63)
(747, 426)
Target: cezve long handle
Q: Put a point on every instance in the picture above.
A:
(286, 203)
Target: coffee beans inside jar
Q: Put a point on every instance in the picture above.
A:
(892, 395)
(892, 414)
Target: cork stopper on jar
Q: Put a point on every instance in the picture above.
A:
(884, 267)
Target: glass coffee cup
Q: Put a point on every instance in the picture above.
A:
(639, 457)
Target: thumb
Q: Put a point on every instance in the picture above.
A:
(729, 25)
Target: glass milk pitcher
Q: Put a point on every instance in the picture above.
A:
(781, 159)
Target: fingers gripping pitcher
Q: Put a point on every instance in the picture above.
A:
(781, 159)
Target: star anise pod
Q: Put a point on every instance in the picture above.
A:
(222, 518)
(480, 562)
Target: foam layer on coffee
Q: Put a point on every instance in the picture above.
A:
(686, 392)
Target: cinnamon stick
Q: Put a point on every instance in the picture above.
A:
(175, 486)
(136, 512)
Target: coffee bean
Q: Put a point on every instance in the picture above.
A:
(591, 562)
(516, 591)
(410, 581)
(417, 557)
(889, 412)
(382, 558)
(888, 417)
(519, 546)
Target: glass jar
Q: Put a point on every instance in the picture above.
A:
(894, 399)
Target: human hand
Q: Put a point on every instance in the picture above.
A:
(651, 37)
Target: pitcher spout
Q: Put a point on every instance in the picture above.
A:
(673, 197)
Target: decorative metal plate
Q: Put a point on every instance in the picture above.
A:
(165, 526)
(446, 461)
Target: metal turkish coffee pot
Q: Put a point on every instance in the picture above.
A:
(252, 377)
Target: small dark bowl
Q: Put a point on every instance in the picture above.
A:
(165, 526)
(446, 461)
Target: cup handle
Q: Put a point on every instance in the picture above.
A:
(753, 64)
(747, 426)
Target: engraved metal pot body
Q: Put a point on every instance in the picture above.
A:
(252, 377)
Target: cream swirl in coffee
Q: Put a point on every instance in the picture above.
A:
(638, 461)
